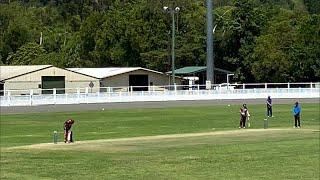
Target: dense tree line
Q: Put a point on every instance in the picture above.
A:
(260, 40)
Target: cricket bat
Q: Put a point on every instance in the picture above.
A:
(248, 121)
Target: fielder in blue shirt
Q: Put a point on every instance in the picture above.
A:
(296, 110)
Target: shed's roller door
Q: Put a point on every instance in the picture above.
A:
(51, 82)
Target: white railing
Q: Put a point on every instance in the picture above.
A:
(158, 93)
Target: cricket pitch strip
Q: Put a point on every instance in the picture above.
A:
(169, 140)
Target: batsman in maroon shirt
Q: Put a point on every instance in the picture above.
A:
(67, 127)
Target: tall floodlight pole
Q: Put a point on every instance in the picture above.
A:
(172, 11)
(210, 60)
(172, 49)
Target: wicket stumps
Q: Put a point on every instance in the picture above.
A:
(55, 137)
(265, 124)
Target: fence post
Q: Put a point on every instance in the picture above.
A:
(175, 87)
(54, 95)
(9, 98)
(198, 87)
(265, 85)
(131, 89)
(243, 86)
(78, 95)
(109, 92)
(31, 93)
(311, 85)
(86, 94)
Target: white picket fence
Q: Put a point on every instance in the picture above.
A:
(160, 93)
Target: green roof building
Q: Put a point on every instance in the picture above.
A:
(200, 71)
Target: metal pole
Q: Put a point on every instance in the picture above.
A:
(172, 47)
(210, 60)
(227, 81)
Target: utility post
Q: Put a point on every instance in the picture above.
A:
(210, 58)
(172, 11)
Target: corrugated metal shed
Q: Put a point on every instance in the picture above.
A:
(21, 79)
(108, 72)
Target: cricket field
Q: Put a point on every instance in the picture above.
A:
(200, 142)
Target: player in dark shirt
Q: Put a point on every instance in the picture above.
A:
(269, 107)
(67, 127)
(243, 116)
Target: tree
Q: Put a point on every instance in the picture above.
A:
(313, 6)
(245, 26)
(288, 50)
(26, 54)
(305, 52)
(260, 40)
(18, 27)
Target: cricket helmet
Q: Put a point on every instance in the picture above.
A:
(71, 121)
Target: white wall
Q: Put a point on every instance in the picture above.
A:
(165, 95)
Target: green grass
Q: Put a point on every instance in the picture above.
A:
(282, 154)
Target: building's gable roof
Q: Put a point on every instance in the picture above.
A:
(195, 69)
(108, 72)
(9, 72)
